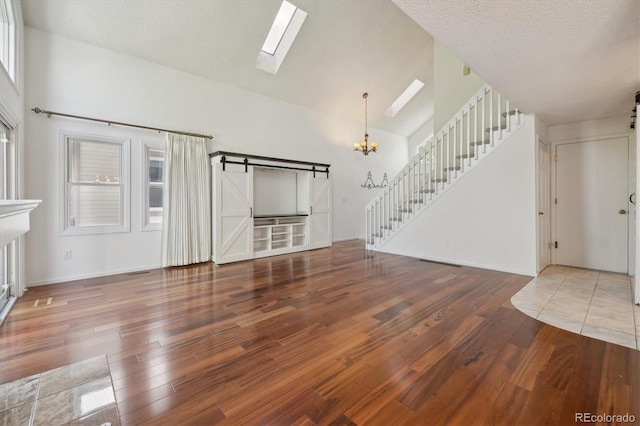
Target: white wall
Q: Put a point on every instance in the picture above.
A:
(488, 218)
(451, 88)
(589, 129)
(67, 76)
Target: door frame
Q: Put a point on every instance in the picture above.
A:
(554, 181)
(547, 194)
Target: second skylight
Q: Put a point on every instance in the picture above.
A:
(404, 98)
(278, 28)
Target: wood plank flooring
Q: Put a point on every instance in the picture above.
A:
(329, 336)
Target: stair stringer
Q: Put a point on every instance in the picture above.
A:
(508, 246)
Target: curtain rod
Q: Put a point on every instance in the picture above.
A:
(118, 123)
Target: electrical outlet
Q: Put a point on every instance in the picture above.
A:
(67, 255)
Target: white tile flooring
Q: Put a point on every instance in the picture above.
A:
(592, 303)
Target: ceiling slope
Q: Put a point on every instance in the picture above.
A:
(565, 60)
(343, 49)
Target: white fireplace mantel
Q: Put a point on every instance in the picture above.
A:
(14, 218)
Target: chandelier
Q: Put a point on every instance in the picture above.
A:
(364, 145)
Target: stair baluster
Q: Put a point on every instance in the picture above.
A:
(429, 173)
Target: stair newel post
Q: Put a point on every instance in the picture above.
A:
(508, 112)
(382, 213)
(367, 235)
(376, 218)
(517, 115)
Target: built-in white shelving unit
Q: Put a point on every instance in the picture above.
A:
(265, 206)
(276, 235)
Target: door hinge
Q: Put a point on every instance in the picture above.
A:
(555, 245)
(555, 201)
(555, 158)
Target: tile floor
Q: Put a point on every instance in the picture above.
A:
(76, 394)
(592, 303)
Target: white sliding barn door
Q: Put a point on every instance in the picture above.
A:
(592, 204)
(233, 215)
(320, 212)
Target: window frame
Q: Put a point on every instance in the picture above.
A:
(148, 146)
(9, 49)
(124, 184)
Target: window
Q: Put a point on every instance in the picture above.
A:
(154, 175)
(404, 98)
(8, 32)
(281, 36)
(96, 185)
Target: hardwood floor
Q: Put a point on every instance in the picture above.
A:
(322, 337)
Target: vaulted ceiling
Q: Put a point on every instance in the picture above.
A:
(563, 60)
(344, 48)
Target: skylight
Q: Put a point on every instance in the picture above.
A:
(278, 28)
(404, 98)
(283, 32)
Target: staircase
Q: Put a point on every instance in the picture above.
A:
(481, 125)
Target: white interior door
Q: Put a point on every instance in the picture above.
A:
(320, 213)
(233, 220)
(544, 214)
(592, 204)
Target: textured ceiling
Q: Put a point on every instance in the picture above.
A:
(565, 60)
(344, 48)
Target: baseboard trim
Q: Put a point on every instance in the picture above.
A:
(94, 275)
(458, 262)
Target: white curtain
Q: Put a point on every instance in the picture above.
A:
(186, 215)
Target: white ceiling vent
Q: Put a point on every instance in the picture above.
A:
(283, 32)
(404, 98)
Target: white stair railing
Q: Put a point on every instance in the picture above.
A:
(481, 124)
